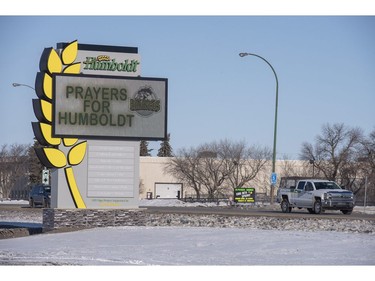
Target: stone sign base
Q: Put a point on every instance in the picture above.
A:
(87, 218)
(70, 219)
(65, 219)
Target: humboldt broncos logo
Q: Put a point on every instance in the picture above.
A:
(145, 102)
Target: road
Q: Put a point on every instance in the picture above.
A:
(258, 212)
(274, 211)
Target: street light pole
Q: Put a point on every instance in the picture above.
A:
(276, 107)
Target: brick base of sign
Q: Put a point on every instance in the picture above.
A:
(54, 219)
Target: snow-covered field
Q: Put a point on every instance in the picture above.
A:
(189, 248)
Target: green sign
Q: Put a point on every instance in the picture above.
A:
(244, 195)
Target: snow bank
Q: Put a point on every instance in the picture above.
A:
(8, 201)
(189, 246)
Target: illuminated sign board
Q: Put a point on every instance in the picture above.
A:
(109, 107)
(244, 195)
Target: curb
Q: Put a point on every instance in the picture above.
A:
(15, 232)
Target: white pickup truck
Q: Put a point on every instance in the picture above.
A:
(316, 196)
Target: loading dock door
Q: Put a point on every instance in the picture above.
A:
(168, 190)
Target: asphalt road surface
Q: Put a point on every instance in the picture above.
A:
(274, 211)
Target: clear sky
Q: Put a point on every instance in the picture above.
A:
(325, 67)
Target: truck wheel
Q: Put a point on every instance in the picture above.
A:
(346, 212)
(45, 203)
(317, 206)
(285, 206)
(311, 211)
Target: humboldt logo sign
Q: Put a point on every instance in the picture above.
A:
(145, 102)
(107, 60)
(105, 63)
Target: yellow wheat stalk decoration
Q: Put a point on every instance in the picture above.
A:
(51, 155)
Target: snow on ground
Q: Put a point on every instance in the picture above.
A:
(189, 248)
(186, 247)
(8, 201)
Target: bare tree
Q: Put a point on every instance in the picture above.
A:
(366, 161)
(213, 167)
(13, 167)
(335, 152)
(185, 167)
(216, 168)
(248, 162)
(34, 166)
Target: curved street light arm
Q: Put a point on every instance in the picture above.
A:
(18, 85)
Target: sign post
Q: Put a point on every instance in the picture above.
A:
(45, 176)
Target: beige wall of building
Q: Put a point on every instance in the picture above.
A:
(152, 172)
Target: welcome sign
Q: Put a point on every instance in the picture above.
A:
(90, 99)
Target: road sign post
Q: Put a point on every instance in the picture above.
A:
(45, 176)
(273, 178)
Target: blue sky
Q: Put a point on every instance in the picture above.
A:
(325, 67)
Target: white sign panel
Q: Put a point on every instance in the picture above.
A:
(110, 171)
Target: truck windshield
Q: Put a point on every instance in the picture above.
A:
(326, 185)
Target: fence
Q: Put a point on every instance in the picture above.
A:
(259, 198)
